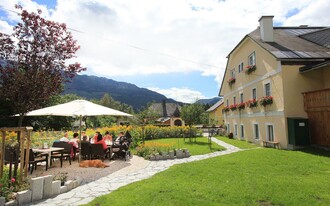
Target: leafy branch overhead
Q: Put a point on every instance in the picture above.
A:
(33, 61)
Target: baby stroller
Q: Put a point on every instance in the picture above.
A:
(121, 149)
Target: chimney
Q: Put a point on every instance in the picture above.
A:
(266, 28)
(164, 108)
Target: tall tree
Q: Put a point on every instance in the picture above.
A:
(33, 62)
(193, 114)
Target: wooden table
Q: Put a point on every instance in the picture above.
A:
(48, 151)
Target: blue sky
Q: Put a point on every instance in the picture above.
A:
(175, 47)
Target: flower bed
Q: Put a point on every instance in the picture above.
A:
(267, 100)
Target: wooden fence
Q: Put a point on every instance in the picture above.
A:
(317, 106)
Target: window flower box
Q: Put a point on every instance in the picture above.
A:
(267, 100)
(225, 109)
(241, 106)
(232, 80)
(249, 69)
(233, 107)
(252, 103)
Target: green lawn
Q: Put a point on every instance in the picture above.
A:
(253, 177)
(238, 143)
(198, 147)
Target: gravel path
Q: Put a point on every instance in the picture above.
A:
(91, 174)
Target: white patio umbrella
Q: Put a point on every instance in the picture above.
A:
(78, 108)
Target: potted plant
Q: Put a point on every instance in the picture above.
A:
(233, 107)
(267, 100)
(231, 81)
(250, 68)
(225, 109)
(252, 103)
(62, 176)
(241, 106)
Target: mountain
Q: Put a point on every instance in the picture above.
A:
(211, 101)
(92, 87)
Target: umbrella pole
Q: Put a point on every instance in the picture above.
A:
(79, 159)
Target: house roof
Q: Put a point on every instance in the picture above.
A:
(307, 45)
(297, 43)
(216, 105)
(171, 109)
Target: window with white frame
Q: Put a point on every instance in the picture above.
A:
(241, 97)
(270, 132)
(242, 131)
(240, 67)
(227, 102)
(267, 89)
(252, 59)
(254, 93)
(234, 100)
(232, 73)
(228, 128)
(256, 130)
(235, 130)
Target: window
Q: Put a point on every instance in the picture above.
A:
(254, 93)
(242, 97)
(256, 130)
(227, 102)
(252, 59)
(267, 89)
(240, 67)
(234, 99)
(233, 73)
(270, 132)
(242, 131)
(235, 131)
(228, 128)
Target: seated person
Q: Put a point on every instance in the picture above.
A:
(107, 136)
(120, 139)
(84, 139)
(100, 140)
(65, 137)
(75, 140)
(96, 136)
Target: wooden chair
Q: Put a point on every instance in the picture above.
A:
(86, 150)
(97, 151)
(34, 159)
(66, 153)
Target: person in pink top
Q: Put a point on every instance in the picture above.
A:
(100, 140)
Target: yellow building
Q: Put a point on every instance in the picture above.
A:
(269, 75)
(215, 113)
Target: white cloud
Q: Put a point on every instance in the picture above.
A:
(156, 37)
(180, 94)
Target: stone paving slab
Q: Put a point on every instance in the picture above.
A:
(86, 193)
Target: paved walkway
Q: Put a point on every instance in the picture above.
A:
(86, 193)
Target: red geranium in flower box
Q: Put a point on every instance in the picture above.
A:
(226, 109)
(231, 80)
(266, 100)
(250, 68)
(252, 103)
(241, 105)
(233, 107)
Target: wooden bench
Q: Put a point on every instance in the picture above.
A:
(270, 143)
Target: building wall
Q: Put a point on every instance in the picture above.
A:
(295, 83)
(269, 70)
(215, 116)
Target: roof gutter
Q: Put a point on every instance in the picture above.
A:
(313, 67)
